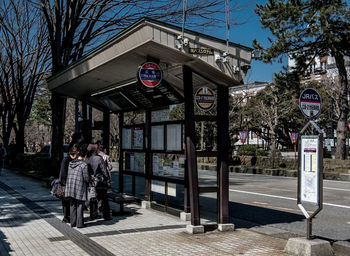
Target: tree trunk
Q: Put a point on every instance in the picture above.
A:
(58, 106)
(20, 139)
(343, 105)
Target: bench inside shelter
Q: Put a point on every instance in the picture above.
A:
(120, 199)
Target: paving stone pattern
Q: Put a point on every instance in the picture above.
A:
(30, 224)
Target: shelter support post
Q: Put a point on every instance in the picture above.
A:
(90, 125)
(148, 162)
(121, 158)
(106, 129)
(190, 146)
(222, 160)
(84, 127)
(77, 116)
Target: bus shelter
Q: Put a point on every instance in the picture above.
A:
(149, 69)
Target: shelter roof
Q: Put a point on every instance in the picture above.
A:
(106, 77)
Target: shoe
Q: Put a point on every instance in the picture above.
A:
(66, 220)
(82, 226)
(108, 218)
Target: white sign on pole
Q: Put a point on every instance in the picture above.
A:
(309, 169)
(310, 103)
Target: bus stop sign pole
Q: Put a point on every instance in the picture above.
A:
(310, 155)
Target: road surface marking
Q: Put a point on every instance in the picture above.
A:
(260, 203)
(266, 205)
(283, 197)
(340, 189)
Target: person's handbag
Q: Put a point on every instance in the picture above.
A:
(60, 191)
(91, 192)
(101, 181)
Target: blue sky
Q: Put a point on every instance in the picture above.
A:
(245, 34)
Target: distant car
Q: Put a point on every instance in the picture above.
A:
(46, 151)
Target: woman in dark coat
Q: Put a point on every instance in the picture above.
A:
(76, 186)
(62, 179)
(76, 139)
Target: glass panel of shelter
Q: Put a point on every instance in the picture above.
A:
(166, 156)
(167, 151)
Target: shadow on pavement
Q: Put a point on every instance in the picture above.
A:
(4, 245)
(251, 216)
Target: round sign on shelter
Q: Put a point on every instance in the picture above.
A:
(150, 74)
(205, 98)
(310, 103)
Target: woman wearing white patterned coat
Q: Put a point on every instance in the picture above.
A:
(76, 186)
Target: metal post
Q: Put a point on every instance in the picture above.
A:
(223, 146)
(90, 125)
(309, 228)
(190, 146)
(76, 116)
(85, 117)
(106, 128)
(121, 157)
(148, 157)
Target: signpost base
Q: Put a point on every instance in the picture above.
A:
(304, 247)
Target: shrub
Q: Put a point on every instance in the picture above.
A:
(252, 150)
(33, 163)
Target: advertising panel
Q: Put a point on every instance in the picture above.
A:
(310, 170)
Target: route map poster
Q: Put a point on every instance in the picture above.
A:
(309, 169)
(138, 138)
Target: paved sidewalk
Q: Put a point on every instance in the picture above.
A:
(30, 224)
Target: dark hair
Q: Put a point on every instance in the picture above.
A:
(83, 149)
(74, 150)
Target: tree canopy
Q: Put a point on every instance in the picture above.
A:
(307, 29)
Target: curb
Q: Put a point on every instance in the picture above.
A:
(341, 248)
(286, 173)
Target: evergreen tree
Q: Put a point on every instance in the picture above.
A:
(304, 30)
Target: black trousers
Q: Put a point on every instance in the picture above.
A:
(77, 213)
(66, 208)
(93, 209)
(102, 196)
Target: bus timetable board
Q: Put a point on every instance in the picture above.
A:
(310, 169)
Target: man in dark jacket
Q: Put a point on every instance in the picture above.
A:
(100, 173)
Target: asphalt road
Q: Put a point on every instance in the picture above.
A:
(270, 201)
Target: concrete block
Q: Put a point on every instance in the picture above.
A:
(343, 176)
(195, 229)
(226, 227)
(341, 248)
(302, 247)
(146, 204)
(185, 216)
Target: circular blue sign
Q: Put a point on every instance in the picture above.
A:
(150, 74)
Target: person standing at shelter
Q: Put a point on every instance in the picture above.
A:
(102, 151)
(102, 180)
(76, 139)
(76, 185)
(3, 154)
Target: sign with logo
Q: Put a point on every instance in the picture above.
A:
(204, 51)
(294, 137)
(150, 74)
(205, 98)
(310, 103)
(243, 135)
